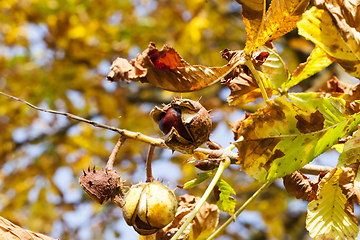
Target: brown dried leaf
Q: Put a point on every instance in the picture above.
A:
(348, 183)
(299, 186)
(350, 91)
(167, 70)
(202, 225)
(10, 231)
(241, 82)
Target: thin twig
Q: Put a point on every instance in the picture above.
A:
(149, 176)
(129, 134)
(157, 142)
(110, 162)
(314, 169)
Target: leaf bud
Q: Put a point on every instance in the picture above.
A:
(185, 123)
(149, 207)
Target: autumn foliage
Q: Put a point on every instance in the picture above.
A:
(299, 106)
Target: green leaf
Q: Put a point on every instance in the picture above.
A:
(327, 216)
(317, 61)
(274, 68)
(192, 183)
(290, 132)
(226, 202)
(317, 26)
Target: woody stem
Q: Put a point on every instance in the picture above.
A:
(149, 176)
(110, 163)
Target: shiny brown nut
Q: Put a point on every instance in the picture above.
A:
(185, 123)
(149, 207)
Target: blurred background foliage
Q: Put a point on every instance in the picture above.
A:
(56, 54)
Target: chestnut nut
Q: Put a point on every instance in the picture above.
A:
(149, 207)
(185, 123)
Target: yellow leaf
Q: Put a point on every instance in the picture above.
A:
(317, 26)
(327, 217)
(253, 14)
(281, 18)
(317, 61)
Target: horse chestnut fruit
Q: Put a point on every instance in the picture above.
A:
(185, 123)
(172, 118)
(102, 186)
(149, 207)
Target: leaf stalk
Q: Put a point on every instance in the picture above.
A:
(223, 165)
(241, 209)
(260, 83)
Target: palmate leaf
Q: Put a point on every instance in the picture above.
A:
(166, 69)
(289, 133)
(281, 18)
(317, 61)
(327, 216)
(318, 26)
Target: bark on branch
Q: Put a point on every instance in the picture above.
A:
(157, 142)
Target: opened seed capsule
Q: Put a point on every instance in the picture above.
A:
(149, 207)
(185, 123)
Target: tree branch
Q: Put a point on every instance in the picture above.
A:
(157, 142)
(134, 135)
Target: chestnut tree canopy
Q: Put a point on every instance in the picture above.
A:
(113, 61)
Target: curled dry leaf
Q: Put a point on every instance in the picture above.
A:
(8, 230)
(298, 185)
(349, 91)
(202, 225)
(348, 183)
(241, 82)
(166, 69)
